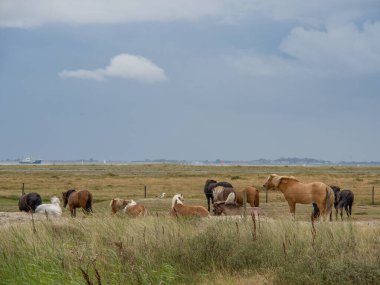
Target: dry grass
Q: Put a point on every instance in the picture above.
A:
(128, 181)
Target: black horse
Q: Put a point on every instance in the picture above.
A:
(343, 199)
(29, 202)
(209, 186)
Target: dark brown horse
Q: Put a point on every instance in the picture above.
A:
(77, 199)
(29, 202)
(209, 187)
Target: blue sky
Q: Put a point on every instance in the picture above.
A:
(193, 80)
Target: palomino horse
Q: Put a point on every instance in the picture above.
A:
(133, 209)
(209, 187)
(303, 193)
(50, 209)
(179, 209)
(230, 195)
(77, 199)
(29, 202)
(118, 204)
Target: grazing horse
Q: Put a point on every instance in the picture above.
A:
(118, 204)
(29, 202)
(230, 195)
(50, 209)
(179, 209)
(77, 199)
(232, 209)
(343, 199)
(208, 190)
(133, 209)
(303, 193)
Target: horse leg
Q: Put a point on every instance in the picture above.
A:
(347, 211)
(208, 203)
(292, 208)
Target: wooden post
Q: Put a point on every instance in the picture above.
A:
(245, 203)
(145, 191)
(23, 189)
(373, 195)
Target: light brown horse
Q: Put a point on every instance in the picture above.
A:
(133, 209)
(118, 204)
(222, 193)
(303, 193)
(179, 209)
(77, 199)
(230, 209)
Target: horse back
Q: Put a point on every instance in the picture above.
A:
(253, 196)
(81, 199)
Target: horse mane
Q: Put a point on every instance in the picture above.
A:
(177, 198)
(218, 189)
(130, 204)
(290, 178)
(276, 179)
(231, 198)
(69, 192)
(54, 200)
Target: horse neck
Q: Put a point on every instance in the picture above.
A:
(131, 204)
(176, 201)
(69, 192)
(290, 183)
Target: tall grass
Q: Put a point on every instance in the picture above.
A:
(115, 250)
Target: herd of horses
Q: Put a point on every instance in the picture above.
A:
(224, 198)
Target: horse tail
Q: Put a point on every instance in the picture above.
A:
(89, 203)
(329, 200)
(256, 201)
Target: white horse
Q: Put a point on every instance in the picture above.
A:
(53, 209)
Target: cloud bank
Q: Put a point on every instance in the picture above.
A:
(124, 66)
(30, 13)
(340, 50)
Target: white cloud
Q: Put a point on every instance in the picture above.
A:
(125, 66)
(340, 50)
(29, 13)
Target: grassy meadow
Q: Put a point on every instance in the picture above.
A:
(158, 249)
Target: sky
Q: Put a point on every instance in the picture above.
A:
(190, 80)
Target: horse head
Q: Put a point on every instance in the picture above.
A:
(209, 185)
(54, 200)
(272, 182)
(218, 210)
(177, 199)
(65, 197)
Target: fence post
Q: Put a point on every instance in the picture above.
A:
(23, 189)
(245, 203)
(145, 191)
(373, 195)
